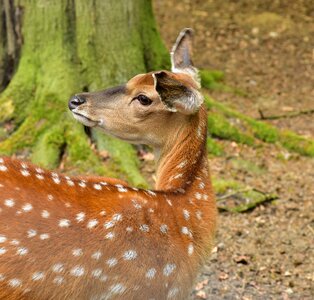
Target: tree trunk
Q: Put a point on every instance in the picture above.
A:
(70, 46)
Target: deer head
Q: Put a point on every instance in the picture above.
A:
(142, 110)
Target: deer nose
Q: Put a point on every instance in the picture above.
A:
(76, 101)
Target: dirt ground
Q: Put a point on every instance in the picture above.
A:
(266, 49)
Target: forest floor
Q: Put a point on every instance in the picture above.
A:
(265, 49)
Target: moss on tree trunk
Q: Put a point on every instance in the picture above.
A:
(70, 46)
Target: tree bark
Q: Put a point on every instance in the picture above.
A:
(70, 46)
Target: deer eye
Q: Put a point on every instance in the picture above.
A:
(144, 100)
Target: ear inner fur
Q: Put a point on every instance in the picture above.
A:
(175, 95)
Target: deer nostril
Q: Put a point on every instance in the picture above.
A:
(76, 101)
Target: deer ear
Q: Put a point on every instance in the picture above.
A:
(175, 95)
(181, 61)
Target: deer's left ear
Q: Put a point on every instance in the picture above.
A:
(181, 53)
(175, 95)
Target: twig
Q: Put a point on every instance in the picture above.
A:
(285, 116)
(233, 194)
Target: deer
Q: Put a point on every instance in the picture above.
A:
(91, 237)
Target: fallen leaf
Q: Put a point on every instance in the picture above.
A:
(223, 276)
(104, 154)
(201, 294)
(241, 259)
(200, 285)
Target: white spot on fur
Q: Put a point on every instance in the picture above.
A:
(45, 214)
(56, 180)
(190, 249)
(109, 236)
(150, 274)
(38, 276)
(40, 171)
(121, 188)
(64, 223)
(3, 168)
(70, 182)
(58, 268)
(14, 242)
(9, 202)
(97, 273)
(97, 187)
(58, 280)
(31, 233)
(44, 236)
(130, 255)
(15, 282)
(82, 184)
(168, 269)
(39, 176)
(97, 255)
(77, 271)
(27, 207)
(169, 202)
(198, 196)
(2, 250)
(2, 239)
(112, 262)
(151, 193)
(117, 289)
(186, 214)
(172, 293)
(201, 185)
(25, 173)
(80, 217)
(50, 197)
(117, 217)
(77, 252)
(92, 223)
(182, 164)
(109, 224)
(22, 251)
(186, 231)
(136, 204)
(144, 228)
(164, 228)
(198, 214)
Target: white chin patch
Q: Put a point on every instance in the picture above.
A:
(84, 120)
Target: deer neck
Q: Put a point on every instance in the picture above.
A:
(183, 159)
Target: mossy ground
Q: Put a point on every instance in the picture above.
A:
(227, 123)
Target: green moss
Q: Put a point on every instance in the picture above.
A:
(46, 152)
(222, 186)
(124, 157)
(80, 156)
(296, 143)
(210, 78)
(220, 127)
(253, 129)
(156, 55)
(214, 148)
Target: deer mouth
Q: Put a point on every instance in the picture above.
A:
(84, 119)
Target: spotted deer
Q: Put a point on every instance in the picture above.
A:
(99, 238)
